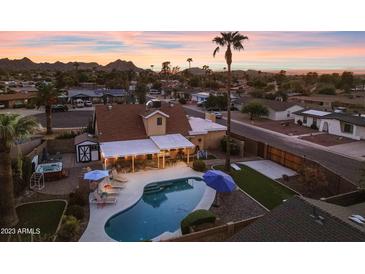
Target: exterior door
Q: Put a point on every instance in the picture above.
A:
(84, 153)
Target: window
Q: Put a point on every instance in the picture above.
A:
(159, 121)
(304, 119)
(94, 147)
(348, 128)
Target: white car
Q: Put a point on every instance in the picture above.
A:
(88, 103)
(218, 115)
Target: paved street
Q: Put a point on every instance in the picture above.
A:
(67, 119)
(349, 168)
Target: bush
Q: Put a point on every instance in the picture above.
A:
(234, 149)
(182, 101)
(199, 165)
(299, 122)
(67, 135)
(197, 217)
(76, 211)
(70, 228)
(77, 198)
(314, 126)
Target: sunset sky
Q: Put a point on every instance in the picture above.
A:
(268, 51)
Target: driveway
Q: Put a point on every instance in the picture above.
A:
(347, 167)
(269, 168)
(70, 119)
(355, 149)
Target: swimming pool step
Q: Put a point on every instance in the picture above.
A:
(154, 187)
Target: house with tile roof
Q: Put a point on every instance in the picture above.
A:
(138, 132)
(12, 100)
(301, 219)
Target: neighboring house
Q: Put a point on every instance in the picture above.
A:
(97, 95)
(327, 102)
(278, 110)
(302, 219)
(336, 123)
(309, 117)
(14, 100)
(86, 148)
(137, 132)
(346, 125)
(200, 97)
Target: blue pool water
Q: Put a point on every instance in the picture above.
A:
(161, 208)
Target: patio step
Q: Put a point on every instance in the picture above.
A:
(152, 188)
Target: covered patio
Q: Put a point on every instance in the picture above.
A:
(153, 153)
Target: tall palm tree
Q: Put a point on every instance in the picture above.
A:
(166, 69)
(12, 127)
(47, 95)
(229, 41)
(189, 60)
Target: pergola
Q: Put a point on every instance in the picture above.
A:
(158, 145)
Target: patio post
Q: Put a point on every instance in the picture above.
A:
(132, 163)
(188, 155)
(163, 160)
(158, 160)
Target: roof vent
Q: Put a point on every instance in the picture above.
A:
(110, 107)
(360, 220)
(317, 218)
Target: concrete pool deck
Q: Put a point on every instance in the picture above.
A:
(132, 192)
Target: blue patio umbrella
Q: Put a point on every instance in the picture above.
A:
(95, 175)
(219, 181)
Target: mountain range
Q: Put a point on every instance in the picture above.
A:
(27, 64)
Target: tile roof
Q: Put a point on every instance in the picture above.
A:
(124, 122)
(292, 222)
(17, 96)
(273, 104)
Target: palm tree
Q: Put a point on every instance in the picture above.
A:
(229, 40)
(189, 60)
(166, 69)
(47, 95)
(12, 127)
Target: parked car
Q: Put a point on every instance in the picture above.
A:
(218, 115)
(59, 108)
(88, 103)
(79, 103)
(2, 106)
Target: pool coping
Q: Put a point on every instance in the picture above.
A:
(131, 194)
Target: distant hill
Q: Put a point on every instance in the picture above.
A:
(27, 64)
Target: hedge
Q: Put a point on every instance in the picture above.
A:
(197, 217)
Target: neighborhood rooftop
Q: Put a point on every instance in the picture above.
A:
(301, 220)
(202, 126)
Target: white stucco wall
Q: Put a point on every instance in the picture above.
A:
(334, 127)
(283, 115)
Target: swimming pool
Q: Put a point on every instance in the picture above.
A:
(161, 208)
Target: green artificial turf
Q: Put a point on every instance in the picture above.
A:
(268, 192)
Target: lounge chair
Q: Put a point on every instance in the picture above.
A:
(235, 167)
(112, 184)
(107, 190)
(118, 177)
(102, 200)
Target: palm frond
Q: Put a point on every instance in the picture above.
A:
(215, 51)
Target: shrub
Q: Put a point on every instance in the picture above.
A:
(182, 101)
(234, 149)
(76, 211)
(199, 165)
(314, 126)
(255, 109)
(70, 228)
(77, 198)
(197, 217)
(67, 135)
(299, 122)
